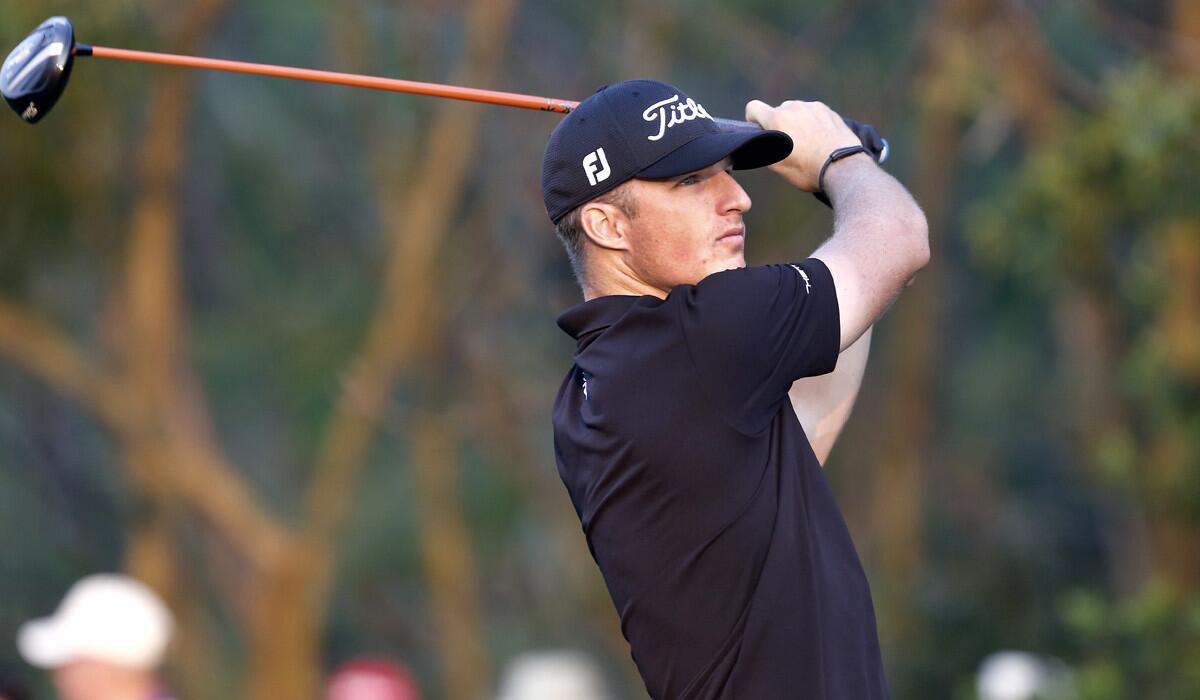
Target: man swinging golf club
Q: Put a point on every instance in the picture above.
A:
(705, 394)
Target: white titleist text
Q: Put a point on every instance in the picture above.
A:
(679, 112)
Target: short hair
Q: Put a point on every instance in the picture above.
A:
(570, 227)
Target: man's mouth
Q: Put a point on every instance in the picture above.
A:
(737, 232)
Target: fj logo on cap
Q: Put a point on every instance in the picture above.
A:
(595, 165)
(679, 113)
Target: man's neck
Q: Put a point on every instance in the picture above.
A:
(618, 280)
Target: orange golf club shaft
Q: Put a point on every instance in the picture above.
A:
(495, 97)
(508, 99)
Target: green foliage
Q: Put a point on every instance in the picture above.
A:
(1097, 212)
(1110, 178)
(1145, 647)
(282, 244)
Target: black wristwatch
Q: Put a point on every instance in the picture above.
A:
(837, 155)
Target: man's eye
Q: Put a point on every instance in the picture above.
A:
(690, 180)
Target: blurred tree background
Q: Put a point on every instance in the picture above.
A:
(287, 351)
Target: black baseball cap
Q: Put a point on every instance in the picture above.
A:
(642, 129)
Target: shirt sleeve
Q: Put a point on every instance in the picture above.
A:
(753, 331)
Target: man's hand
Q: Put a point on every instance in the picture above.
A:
(880, 236)
(816, 131)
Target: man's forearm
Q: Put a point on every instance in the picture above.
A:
(872, 206)
(880, 240)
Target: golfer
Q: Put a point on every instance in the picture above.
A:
(705, 395)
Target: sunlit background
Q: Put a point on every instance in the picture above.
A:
(287, 352)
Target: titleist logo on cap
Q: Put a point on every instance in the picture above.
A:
(642, 129)
(680, 112)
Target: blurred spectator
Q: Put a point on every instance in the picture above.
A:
(1019, 675)
(553, 675)
(105, 641)
(372, 679)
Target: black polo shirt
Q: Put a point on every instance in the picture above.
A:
(701, 499)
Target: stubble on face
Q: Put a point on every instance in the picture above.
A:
(687, 227)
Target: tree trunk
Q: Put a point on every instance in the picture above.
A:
(401, 331)
(152, 358)
(449, 561)
(1185, 25)
(912, 331)
(1172, 450)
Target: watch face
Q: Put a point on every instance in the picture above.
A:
(35, 73)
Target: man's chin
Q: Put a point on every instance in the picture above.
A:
(733, 262)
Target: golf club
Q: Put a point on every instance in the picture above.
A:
(35, 73)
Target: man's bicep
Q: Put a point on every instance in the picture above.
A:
(822, 404)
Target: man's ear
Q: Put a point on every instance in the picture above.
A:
(605, 225)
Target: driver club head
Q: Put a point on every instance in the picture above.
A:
(36, 72)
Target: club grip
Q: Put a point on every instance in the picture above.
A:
(871, 140)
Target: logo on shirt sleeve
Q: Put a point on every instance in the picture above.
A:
(584, 378)
(804, 276)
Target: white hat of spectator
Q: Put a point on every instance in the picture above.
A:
(1020, 675)
(553, 675)
(104, 617)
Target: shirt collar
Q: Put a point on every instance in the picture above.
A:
(597, 314)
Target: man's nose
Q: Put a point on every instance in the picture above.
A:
(735, 198)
